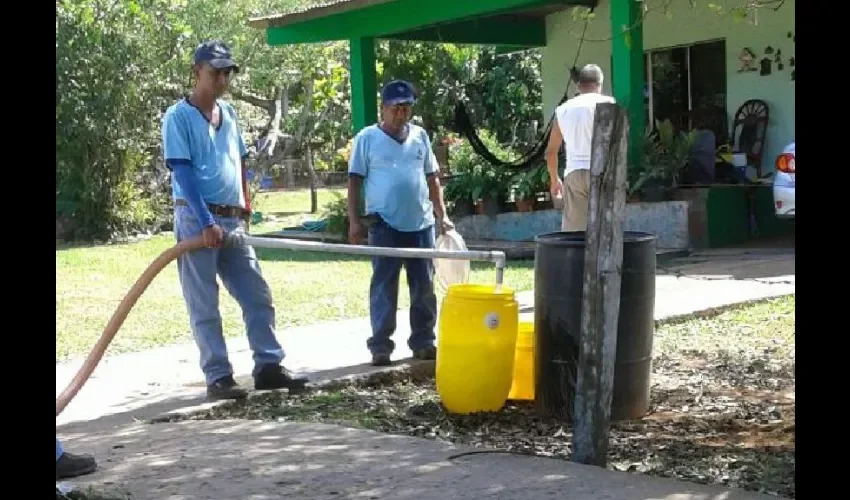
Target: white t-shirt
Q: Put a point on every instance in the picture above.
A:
(575, 119)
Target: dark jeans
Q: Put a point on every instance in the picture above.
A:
(383, 292)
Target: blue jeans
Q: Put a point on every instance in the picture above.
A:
(240, 273)
(59, 450)
(383, 292)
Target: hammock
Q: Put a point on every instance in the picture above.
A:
(463, 125)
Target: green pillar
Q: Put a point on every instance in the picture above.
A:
(364, 80)
(627, 69)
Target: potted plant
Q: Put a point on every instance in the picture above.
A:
(485, 185)
(491, 186)
(527, 187)
(664, 158)
(458, 193)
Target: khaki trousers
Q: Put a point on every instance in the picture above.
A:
(576, 200)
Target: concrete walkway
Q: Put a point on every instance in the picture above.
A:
(141, 385)
(247, 460)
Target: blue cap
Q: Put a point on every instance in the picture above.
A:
(397, 92)
(216, 53)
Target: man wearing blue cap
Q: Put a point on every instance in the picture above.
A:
(70, 465)
(204, 150)
(394, 161)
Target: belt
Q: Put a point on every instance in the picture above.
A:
(219, 210)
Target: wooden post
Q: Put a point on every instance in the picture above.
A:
(600, 305)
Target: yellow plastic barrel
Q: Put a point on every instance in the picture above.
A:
(476, 343)
(523, 384)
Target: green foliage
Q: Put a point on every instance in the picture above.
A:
(474, 179)
(505, 93)
(502, 92)
(336, 215)
(529, 183)
(664, 157)
(107, 104)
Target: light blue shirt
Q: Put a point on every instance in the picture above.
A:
(215, 153)
(394, 176)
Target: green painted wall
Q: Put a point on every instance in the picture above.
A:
(687, 26)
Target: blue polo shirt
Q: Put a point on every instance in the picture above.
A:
(214, 154)
(394, 176)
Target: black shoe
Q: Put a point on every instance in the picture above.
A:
(225, 388)
(426, 353)
(381, 360)
(272, 377)
(69, 465)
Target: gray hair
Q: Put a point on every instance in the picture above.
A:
(591, 74)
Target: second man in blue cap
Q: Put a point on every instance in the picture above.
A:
(394, 161)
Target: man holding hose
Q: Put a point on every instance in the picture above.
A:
(70, 465)
(395, 162)
(205, 152)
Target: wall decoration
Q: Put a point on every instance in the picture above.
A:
(747, 60)
(792, 61)
(765, 66)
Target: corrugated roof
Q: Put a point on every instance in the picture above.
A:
(317, 8)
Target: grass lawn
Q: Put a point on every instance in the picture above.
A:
(289, 208)
(722, 406)
(307, 287)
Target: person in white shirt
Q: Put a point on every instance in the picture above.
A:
(573, 126)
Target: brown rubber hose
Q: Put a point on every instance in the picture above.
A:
(120, 315)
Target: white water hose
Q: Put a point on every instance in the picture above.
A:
(495, 256)
(236, 239)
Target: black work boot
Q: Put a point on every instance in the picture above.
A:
(70, 465)
(271, 377)
(426, 353)
(225, 388)
(381, 360)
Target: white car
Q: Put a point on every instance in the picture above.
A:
(784, 182)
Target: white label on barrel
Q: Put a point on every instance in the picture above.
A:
(491, 321)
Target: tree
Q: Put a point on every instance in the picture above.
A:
(501, 91)
(109, 89)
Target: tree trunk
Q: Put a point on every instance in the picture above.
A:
(277, 109)
(314, 196)
(274, 128)
(302, 132)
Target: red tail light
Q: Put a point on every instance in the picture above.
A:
(785, 163)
